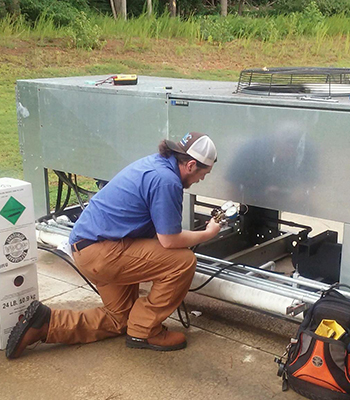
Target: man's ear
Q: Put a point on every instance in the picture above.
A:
(191, 165)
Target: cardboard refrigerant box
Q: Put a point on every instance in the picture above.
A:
(18, 288)
(17, 225)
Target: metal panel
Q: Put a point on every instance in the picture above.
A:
(292, 158)
(97, 133)
(30, 145)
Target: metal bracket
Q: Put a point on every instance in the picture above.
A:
(295, 309)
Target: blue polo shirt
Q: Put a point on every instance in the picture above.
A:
(143, 199)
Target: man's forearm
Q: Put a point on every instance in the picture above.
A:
(185, 239)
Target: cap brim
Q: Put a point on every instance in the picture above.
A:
(174, 146)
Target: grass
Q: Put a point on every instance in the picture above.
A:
(158, 47)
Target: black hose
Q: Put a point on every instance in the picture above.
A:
(58, 209)
(217, 273)
(68, 181)
(58, 212)
(57, 253)
(74, 186)
(59, 194)
(186, 323)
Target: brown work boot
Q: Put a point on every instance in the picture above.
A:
(29, 329)
(164, 341)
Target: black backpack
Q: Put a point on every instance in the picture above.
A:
(318, 367)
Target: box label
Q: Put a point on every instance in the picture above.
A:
(17, 302)
(16, 247)
(12, 210)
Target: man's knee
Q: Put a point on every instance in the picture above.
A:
(189, 260)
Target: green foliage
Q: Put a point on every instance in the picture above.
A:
(332, 7)
(85, 34)
(3, 10)
(102, 6)
(219, 29)
(9, 7)
(311, 19)
(195, 7)
(326, 7)
(288, 6)
(215, 28)
(62, 12)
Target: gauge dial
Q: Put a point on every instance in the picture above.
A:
(231, 212)
(227, 205)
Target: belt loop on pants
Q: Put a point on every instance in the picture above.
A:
(82, 244)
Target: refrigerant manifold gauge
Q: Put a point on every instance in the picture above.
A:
(226, 213)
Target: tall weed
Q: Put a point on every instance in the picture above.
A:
(45, 28)
(85, 34)
(338, 24)
(17, 27)
(148, 26)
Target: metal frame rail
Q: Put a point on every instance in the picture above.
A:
(299, 288)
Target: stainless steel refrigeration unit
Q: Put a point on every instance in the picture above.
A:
(283, 140)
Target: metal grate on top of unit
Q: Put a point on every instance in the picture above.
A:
(325, 82)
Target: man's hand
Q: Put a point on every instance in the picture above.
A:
(213, 228)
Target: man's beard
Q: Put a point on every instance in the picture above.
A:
(186, 184)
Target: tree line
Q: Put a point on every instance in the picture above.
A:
(63, 11)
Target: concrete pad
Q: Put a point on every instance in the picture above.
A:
(51, 287)
(229, 356)
(211, 367)
(55, 267)
(77, 299)
(256, 329)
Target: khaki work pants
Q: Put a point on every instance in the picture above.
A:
(117, 268)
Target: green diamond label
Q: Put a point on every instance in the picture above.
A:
(12, 210)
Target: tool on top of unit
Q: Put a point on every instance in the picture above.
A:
(123, 79)
(118, 80)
